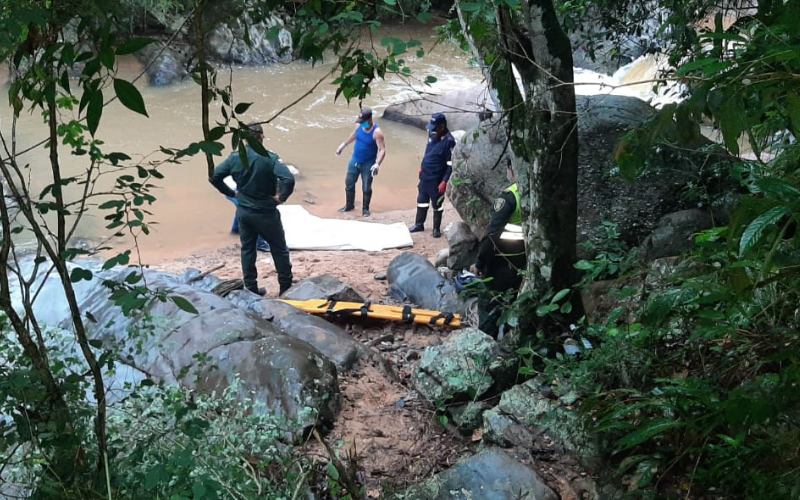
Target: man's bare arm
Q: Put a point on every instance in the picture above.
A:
(380, 141)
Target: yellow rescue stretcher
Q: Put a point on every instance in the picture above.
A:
(367, 309)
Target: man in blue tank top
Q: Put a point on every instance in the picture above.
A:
(368, 154)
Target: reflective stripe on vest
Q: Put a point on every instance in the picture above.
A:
(513, 228)
(512, 232)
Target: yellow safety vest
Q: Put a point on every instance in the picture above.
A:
(513, 228)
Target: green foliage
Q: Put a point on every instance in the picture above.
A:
(612, 257)
(698, 378)
(169, 444)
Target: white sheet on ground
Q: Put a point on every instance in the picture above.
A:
(309, 232)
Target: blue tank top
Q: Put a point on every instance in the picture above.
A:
(365, 149)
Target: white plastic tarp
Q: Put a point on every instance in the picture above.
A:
(309, 232)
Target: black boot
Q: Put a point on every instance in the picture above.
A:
(365, 205)
(258, 290)
(350, 202)
(419, 222)
(437, 223)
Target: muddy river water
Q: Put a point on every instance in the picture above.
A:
(192, 216)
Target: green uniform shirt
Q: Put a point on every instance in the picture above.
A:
(256, 183)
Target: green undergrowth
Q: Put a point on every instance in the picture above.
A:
(692, 384)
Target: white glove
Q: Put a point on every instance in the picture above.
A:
(340, 148)
(374, 170)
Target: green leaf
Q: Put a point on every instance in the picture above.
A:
(183, 304)
(332, 472)
(133, 45)
(153, 477)
(108, 57)
(80, 274)
(731, 122)
(469, 6)
(242, 107)
(211, 148)
(216, 133)
(546, 309)
(560, 295)
(94, 111)
(648, 431)
(755, 230)
(778, 188)
(129, 96)
(112, 204)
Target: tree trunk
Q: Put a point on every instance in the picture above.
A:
(531, 72)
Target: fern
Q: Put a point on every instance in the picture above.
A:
(755, 230)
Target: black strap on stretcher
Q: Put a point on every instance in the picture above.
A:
(331, 304)
(408, 316)
(446, 316)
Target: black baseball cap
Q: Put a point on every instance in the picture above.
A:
(364, 116)
(436, 120)
(255, 128)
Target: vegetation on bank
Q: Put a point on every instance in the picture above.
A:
(692, 382)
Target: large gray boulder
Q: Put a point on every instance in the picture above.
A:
(603, 194)
(202, 351)
(463, 246)
(165, 65)
(467, 365)
(675, 233)
(464, 108)
(329, 339)
(323, 287)
(413, 278)
(542, 419)
(492, 474)
(226, 42)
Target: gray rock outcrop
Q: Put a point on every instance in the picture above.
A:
(463, 246)
(329, 339)
(467, 365)
(464, 109)
(226, 43)
(492, 474)
(603, 195)
(323, 287)
(539, 418)
(202, 351)
(165, 65)
(675, 233)
(413, 278)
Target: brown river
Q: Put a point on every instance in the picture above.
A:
(190, 215)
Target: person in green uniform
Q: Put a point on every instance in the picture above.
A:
(262, 184)
(501, 255)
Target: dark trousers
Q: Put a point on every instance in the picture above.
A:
(428, 194)
(354, 170)
(505, 272)
(235, 225)
(266, 223)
